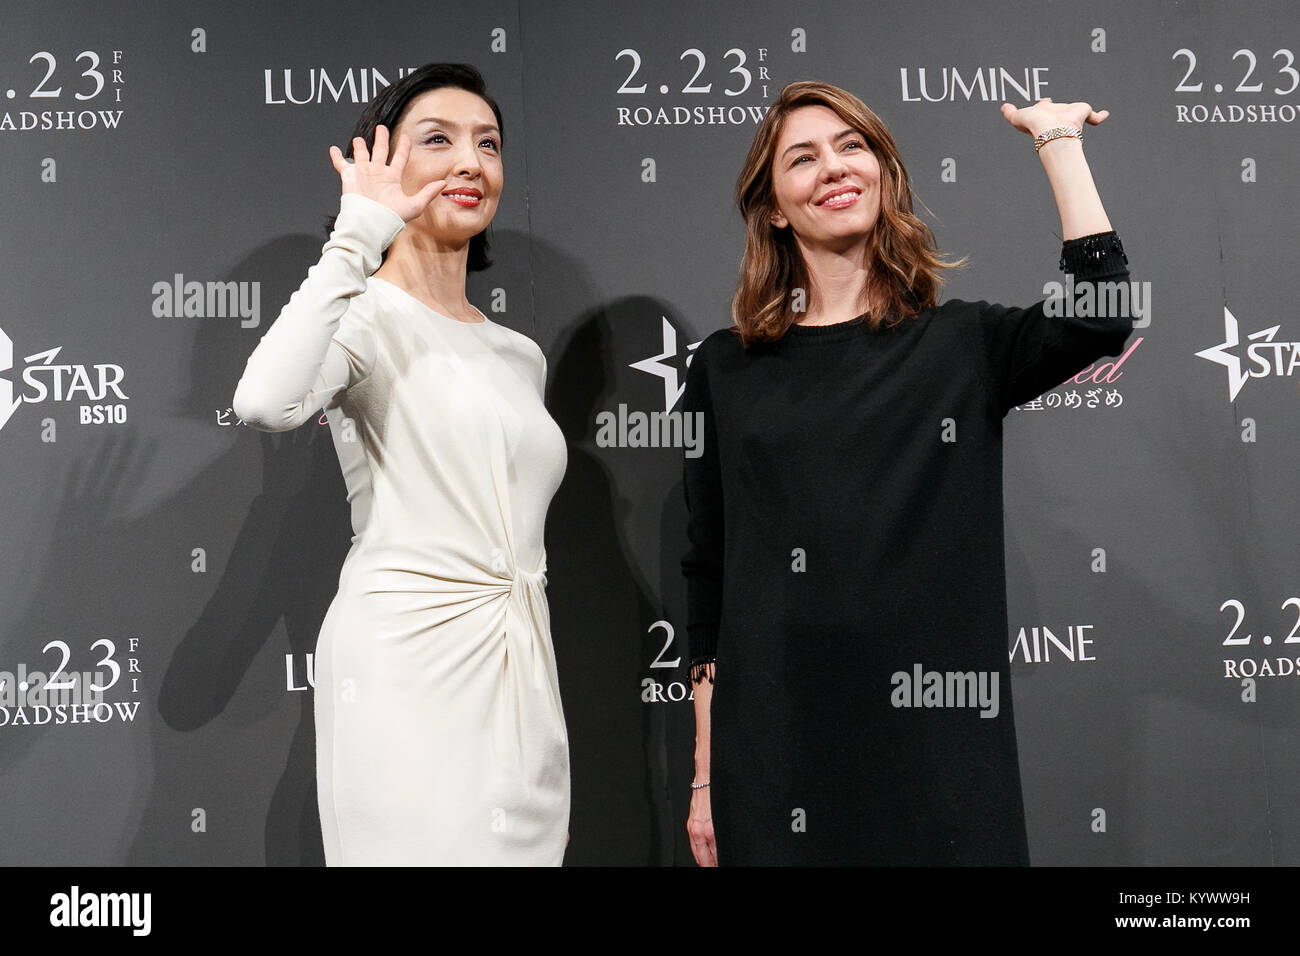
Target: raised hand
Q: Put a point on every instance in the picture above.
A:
(699, 827)
(372, 176)
(1045, 114)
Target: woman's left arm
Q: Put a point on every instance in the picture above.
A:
(1067, 169)
(1030, 350)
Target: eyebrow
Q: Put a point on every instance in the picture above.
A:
(807, 144)
(438, 121)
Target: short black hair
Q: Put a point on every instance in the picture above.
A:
(388, 108)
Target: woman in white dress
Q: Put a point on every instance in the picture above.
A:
(440, 737)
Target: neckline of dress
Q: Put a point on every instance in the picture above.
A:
(431, 309)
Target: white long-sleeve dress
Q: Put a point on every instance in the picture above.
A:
(440, 738)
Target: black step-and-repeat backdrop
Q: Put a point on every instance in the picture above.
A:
(165, 568)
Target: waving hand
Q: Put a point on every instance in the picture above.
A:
(372, 176)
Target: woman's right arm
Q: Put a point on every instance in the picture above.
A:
(702, 566)
(298, 366)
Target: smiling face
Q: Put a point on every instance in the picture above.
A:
(454, 136)
(825, 180)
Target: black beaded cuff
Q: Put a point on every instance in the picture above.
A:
(702, 670)
(1090, 251)
(703, 645)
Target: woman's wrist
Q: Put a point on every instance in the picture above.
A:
(1054, 136)
(701, 770)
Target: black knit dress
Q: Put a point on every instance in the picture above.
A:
(846, 571)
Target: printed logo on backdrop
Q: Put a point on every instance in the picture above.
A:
(969, 84)
(57, 696)
(1256, 656)
(62, 92)
(1264, 356)
(695, 88)
(1045, 645)
(621, 428)
(315, 85)
(665, 688)
(1249, 86)
(1096, 387)
(299, 671)
(226, 418)
(95, 390)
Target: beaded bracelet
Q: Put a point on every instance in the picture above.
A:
(1057, 132)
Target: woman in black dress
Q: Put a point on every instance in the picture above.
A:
(845, 576)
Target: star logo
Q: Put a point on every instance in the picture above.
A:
(8, 404)
(666, 366)
(1221, 355)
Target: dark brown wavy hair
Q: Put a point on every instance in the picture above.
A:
(904, 264)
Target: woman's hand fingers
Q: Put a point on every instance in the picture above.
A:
(347, 174)
(373, 177)
(1016, 116)
(699, 827)
(336, 157)
(429, 193)
(1045, 114)
(703, 846)
(401, 154)
(710, 849)
(380, 154)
